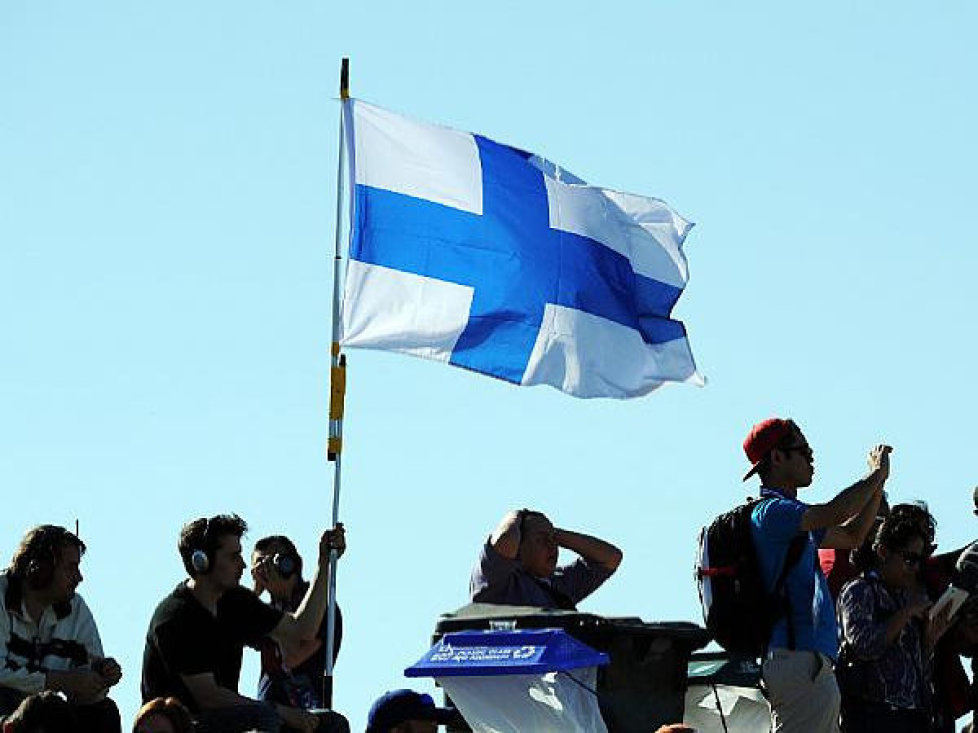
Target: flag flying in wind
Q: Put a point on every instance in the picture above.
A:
(474, 253)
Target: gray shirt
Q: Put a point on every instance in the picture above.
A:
(496, 579)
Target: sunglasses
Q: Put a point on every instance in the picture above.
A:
(803, 448)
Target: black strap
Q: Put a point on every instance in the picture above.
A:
(791, 558)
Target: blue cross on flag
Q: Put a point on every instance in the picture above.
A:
(484, 256)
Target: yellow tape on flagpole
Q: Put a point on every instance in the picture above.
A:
(337, 404)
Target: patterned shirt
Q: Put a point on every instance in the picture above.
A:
(898, 674)
(64, 638)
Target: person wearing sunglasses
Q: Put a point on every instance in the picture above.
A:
(885, 667)
(797, 668)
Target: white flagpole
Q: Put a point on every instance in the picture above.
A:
(337, 393)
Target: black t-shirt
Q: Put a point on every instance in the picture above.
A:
(184, 638)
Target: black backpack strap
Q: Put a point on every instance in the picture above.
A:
(791, 558)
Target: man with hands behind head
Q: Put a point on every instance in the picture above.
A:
(48, 637)
(517, 565)
(197, 634)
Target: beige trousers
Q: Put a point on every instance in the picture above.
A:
(803, 692)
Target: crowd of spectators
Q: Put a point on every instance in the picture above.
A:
(865, 640)
(858, 645)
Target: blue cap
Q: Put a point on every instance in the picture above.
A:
(398, 706)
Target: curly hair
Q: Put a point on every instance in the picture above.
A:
(898, 531)
(918, 512)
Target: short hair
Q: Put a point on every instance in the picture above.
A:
(39, 552)
(42, 711)
(169, 708)
(279, 543)
(205, 534)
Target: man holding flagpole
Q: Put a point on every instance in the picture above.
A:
(197, 634)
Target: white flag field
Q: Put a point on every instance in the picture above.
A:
(484, 256)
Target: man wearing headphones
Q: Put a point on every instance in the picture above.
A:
(197, 634)
(291, 674)
(48, 637)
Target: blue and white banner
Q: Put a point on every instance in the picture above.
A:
(484, 256)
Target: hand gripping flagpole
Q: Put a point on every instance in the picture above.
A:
(337, 395)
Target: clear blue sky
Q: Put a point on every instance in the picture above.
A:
(167, 197)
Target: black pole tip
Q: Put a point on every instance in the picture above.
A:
(345, 78)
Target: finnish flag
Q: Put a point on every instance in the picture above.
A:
(467, 251)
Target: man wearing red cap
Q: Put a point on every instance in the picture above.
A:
(798, 666)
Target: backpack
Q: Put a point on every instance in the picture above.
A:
(737, 610)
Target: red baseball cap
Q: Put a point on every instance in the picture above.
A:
(762, 439)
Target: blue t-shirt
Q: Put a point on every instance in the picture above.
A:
(774, 523)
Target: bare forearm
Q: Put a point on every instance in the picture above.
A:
(310, 612)
(221, 697)
(590, 548)
(506, 537)
(846, 505)
(860, 525)
(851, 501)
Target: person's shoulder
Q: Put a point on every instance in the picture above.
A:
(173, 604)
(238, 599)
(858, 587)
(776, 508)
(77, 605)
(239, 593)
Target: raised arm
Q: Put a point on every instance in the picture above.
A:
(505, 538)
(303, 623)
(851, 501)
(590, 548)
(852, 533)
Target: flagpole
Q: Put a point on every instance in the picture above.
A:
(337, 394)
